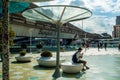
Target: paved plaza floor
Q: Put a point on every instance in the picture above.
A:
(104, 65)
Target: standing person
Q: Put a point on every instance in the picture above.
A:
(77, 58)
(87, 45)
(119, 46)
(105, 45)
(101, 45)
(98, 45)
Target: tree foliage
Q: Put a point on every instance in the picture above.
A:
(11, 36)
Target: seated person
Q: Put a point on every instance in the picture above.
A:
(77, 58)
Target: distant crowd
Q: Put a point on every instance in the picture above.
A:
(100, 45)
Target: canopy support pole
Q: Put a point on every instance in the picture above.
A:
(57, 69)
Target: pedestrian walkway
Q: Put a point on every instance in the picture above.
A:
(104, 65)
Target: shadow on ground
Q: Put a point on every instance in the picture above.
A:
(37, 67)
(75, 75)
(16, 62)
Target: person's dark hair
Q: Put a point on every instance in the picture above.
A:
(80, 48)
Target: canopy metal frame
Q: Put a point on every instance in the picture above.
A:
(40, 14)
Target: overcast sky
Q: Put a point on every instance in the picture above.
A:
(104, 14)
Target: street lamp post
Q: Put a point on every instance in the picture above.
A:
(85, 34)
(30, 32)
(85, 40)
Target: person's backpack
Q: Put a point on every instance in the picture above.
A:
(74, 58)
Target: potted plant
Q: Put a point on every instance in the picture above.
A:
(23, 53)
(46, 54)
(47, 59)
(23, 57)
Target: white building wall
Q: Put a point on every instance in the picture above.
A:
(22, 30)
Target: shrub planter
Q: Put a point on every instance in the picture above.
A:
(69, 67)
(23, 57)
(47, 59)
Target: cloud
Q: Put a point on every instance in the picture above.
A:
(104, 13)
(55, 2)
(97, 24)
(77, 3)
(103, 6)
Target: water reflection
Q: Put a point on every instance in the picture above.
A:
(104, 67)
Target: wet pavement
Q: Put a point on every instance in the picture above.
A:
(104, 65)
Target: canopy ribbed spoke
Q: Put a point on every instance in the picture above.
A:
(57, 13)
